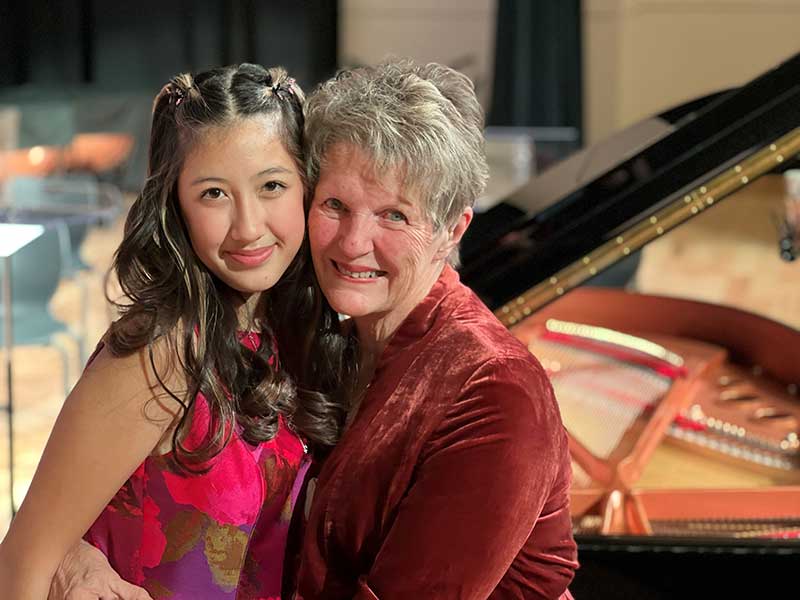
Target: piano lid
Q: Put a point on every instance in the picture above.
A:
(604, 203)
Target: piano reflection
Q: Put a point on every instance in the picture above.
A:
(683, 416)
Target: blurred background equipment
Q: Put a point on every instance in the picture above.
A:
(14, 239)
(789, 242)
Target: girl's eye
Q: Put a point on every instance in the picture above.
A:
(274, 186)
(333, 204)
(395, 216)
(213, 194)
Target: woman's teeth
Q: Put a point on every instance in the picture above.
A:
(360, 274)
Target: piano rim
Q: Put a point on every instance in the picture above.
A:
(675, 544)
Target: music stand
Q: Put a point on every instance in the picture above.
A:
(13, 237)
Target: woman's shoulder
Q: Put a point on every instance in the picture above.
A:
(496, 368)
(478, 335)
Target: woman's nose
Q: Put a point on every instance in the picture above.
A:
(356, 235)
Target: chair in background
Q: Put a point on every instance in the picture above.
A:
(46, 122)
(51, 200)
(78, 200)
(44, 129)
(36, 273)
(38, 161)
(98, 152)
(71, 204)
(9, 133)
(9, 127)
(127, 113)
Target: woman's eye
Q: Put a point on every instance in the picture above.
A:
(213, 194)
(395, 216)
(274, 186)
(333, 204)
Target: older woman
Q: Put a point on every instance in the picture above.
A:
(451, 478)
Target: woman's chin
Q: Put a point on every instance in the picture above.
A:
(352, 305)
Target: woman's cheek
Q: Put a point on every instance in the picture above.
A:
(321, 230)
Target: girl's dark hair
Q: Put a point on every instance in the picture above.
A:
(171, 296)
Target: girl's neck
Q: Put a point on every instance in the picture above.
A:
(248, 310)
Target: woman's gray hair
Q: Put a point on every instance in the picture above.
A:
(422, 121)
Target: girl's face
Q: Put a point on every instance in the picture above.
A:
(241, 196)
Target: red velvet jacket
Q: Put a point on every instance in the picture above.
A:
(453, 480)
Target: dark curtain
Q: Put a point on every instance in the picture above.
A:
(139, 45)
(77, 66)
(537, 75)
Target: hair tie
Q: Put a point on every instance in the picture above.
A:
(281, 86)
(176, 95)
(287, 85)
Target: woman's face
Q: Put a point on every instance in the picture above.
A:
(242, 199)
(374, 248)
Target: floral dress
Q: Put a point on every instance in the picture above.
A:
(215, 535)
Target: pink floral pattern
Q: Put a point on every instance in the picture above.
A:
(216, 535)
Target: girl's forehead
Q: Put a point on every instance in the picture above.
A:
(249, 139)
(266, 125)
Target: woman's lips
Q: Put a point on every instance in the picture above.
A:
(252, 258)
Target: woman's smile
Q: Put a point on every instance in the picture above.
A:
(357, 273)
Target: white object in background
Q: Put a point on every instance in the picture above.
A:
(510, 153)
(13, 237)
(791, 179)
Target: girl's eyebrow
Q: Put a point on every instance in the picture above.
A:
(273, 171)
(209, 180)
(269, 171)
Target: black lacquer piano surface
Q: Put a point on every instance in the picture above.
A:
(658, 394)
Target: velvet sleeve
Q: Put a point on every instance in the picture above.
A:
(482, 481)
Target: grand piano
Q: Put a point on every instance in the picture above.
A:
(659, 393)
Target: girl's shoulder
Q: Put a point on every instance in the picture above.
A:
(145, 379)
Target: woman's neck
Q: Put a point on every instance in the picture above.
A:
(375, 330)
(374, 335)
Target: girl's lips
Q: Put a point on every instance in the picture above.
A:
(252, 258)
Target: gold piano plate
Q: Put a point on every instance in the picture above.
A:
(680, 425)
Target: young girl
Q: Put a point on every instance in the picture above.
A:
(178, 448)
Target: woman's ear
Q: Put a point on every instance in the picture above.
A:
(455, 233)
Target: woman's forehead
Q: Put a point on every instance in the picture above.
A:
(349, 168)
